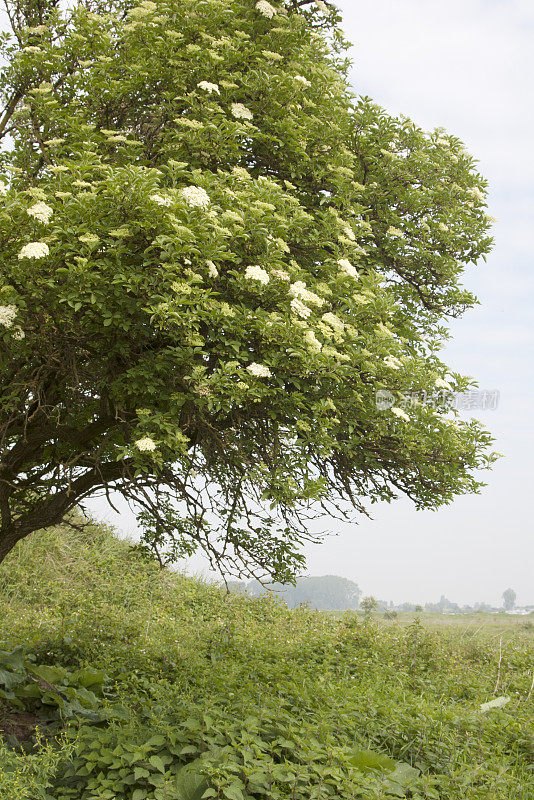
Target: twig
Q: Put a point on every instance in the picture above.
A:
(498, 667)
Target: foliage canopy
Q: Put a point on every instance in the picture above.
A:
(214, 256)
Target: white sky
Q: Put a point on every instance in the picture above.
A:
(466, 65)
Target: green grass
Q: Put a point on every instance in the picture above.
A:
(198, 693)
(479, 624)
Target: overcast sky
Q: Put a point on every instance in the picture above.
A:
(468, 66)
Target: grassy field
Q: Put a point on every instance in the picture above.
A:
(119, 680)
(467, 626)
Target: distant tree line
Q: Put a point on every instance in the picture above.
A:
(324, 593)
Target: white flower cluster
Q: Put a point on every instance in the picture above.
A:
(160, 200)
(399, 412)
(302, 79)
(281, 274)
(41, 212)
(142, 10)
(349, 233)
(89, 238)
(259, 370)
(442, 226)
(209, 87)
(443, 384)
(265, 8)
(347, 267)
(241, 172)
(298, 289)
(392, 362)
(321, 6)
(239, 111)
(213, 272)
(256, 273)
(146, 445)
(333, 321)
(195, 196)
(34, 250)
(312, 341)
(300, 309)
(476, 193)
(383, 330)
(394, 233)
(7, 315)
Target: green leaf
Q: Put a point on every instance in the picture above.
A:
(52, 675)
(233, 792)
(10, 679)
(157, 763)
(367, 761)
(189, 783)
(156, 741)
(88, 677)
(140, 772)
(14, 660)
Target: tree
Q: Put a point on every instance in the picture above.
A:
(214, 259)
(508, 597)
(324, 592)
(368, 605)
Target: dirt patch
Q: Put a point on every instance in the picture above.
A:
(21, 725)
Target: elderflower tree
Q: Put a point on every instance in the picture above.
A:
(214, 256)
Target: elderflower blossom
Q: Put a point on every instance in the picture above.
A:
(400, 413)
(195, 196)
(392, 362)
(259, 370)
(321, 6)
(302, 79)
(7, 315)
(19, 334)
(239, 111)
(272, 56)
(298, 289)
(213, 272)
(383, 330)
(34, 250)
(265, 8)
(256, 273)
(443, 384)
(300, 309)
(333, 321)
(347, 267)
(241, 172)
(349, 233)
(312, 341)
(395, 233)
(89, 238)
(281, 274)
(476, 193)
(442, 226)
(41, 212)
(160, 200)
(146, 445)
(209, 87)
(142, 10)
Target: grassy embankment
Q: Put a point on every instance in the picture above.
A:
(136, 683)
